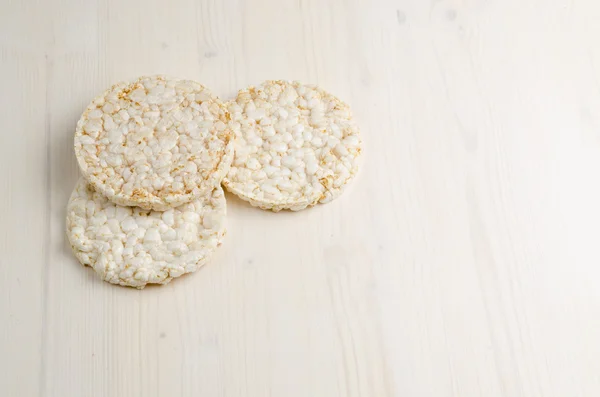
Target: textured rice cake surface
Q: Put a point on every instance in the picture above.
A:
(296, 145)
(155, 143)
(133, 247)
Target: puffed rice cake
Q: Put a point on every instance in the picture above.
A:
(155, 143)
(296, 145)
(133, 247)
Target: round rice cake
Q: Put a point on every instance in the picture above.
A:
(133, 247)
(155, 143)
(296, 145)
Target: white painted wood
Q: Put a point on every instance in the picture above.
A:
(463, 261)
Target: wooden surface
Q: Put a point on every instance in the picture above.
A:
(463, 261)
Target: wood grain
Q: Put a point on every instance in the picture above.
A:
(463, 261)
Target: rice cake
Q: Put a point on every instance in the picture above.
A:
(131, 246)
(155, 143)
(296, 145)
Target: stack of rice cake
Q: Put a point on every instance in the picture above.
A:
(154, 152)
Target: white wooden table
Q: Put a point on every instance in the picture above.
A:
(463, 261)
